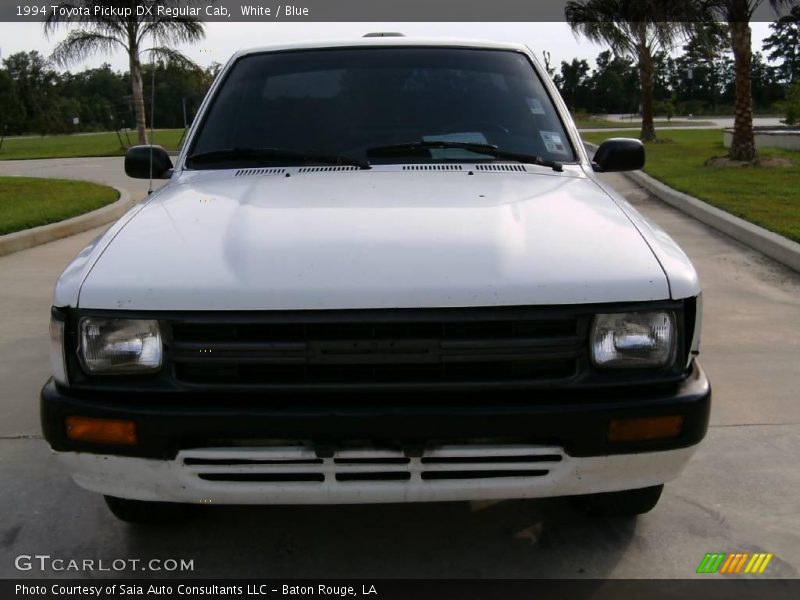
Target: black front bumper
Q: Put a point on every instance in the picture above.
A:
(575, 420)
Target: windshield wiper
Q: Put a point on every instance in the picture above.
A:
(259, 155)
(489, 149)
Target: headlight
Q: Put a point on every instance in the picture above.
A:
(119, 345)
(57, 363)
(633, 339)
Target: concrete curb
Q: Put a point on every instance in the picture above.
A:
(28, 238)
(771, 244)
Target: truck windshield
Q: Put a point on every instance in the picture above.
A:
(381, 105)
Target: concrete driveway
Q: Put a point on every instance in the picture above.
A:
(627, 123)
(739, 493)
(718, 122)
(106, 170)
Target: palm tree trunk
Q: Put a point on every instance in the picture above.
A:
(137, 90)
(743, 146)
(647, 82)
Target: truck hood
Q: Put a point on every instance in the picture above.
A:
(374, 239)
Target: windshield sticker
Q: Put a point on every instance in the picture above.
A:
(552, 141)
(535, 106)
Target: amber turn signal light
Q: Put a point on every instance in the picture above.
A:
(101, 431)
(650, 428)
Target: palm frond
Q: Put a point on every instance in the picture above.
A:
(101, 33)
(170, 56)
(82, 43)
(625, 25)
(174, 30)
(739, 11)
(592, 20)
(106, 25)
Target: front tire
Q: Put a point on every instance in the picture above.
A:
(627, 503)
(141, 512)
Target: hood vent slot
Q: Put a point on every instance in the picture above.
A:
(246, 172)
(327, 169)
(502, 167)
(432, 168)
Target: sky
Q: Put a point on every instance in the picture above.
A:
(223, 39)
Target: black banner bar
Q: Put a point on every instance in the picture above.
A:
(712, 588)
(275, 11)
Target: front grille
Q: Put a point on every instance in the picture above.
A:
(300, 464)
(358, 350)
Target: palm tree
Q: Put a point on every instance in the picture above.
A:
(634, 29)
(737, 14)
(99, 33)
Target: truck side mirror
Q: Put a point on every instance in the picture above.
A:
(619, 154)
(137, 162)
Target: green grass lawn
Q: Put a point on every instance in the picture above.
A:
(767, 196)
(29, 202)
(68, 146)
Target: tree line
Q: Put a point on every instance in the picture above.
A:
(717, 65)
(641, 29)
(35, 98)
(700, 80)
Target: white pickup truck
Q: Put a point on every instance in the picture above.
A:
(382, 270)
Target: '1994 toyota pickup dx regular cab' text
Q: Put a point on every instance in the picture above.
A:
(382, 270)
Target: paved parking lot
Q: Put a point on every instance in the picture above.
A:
(739, 493)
